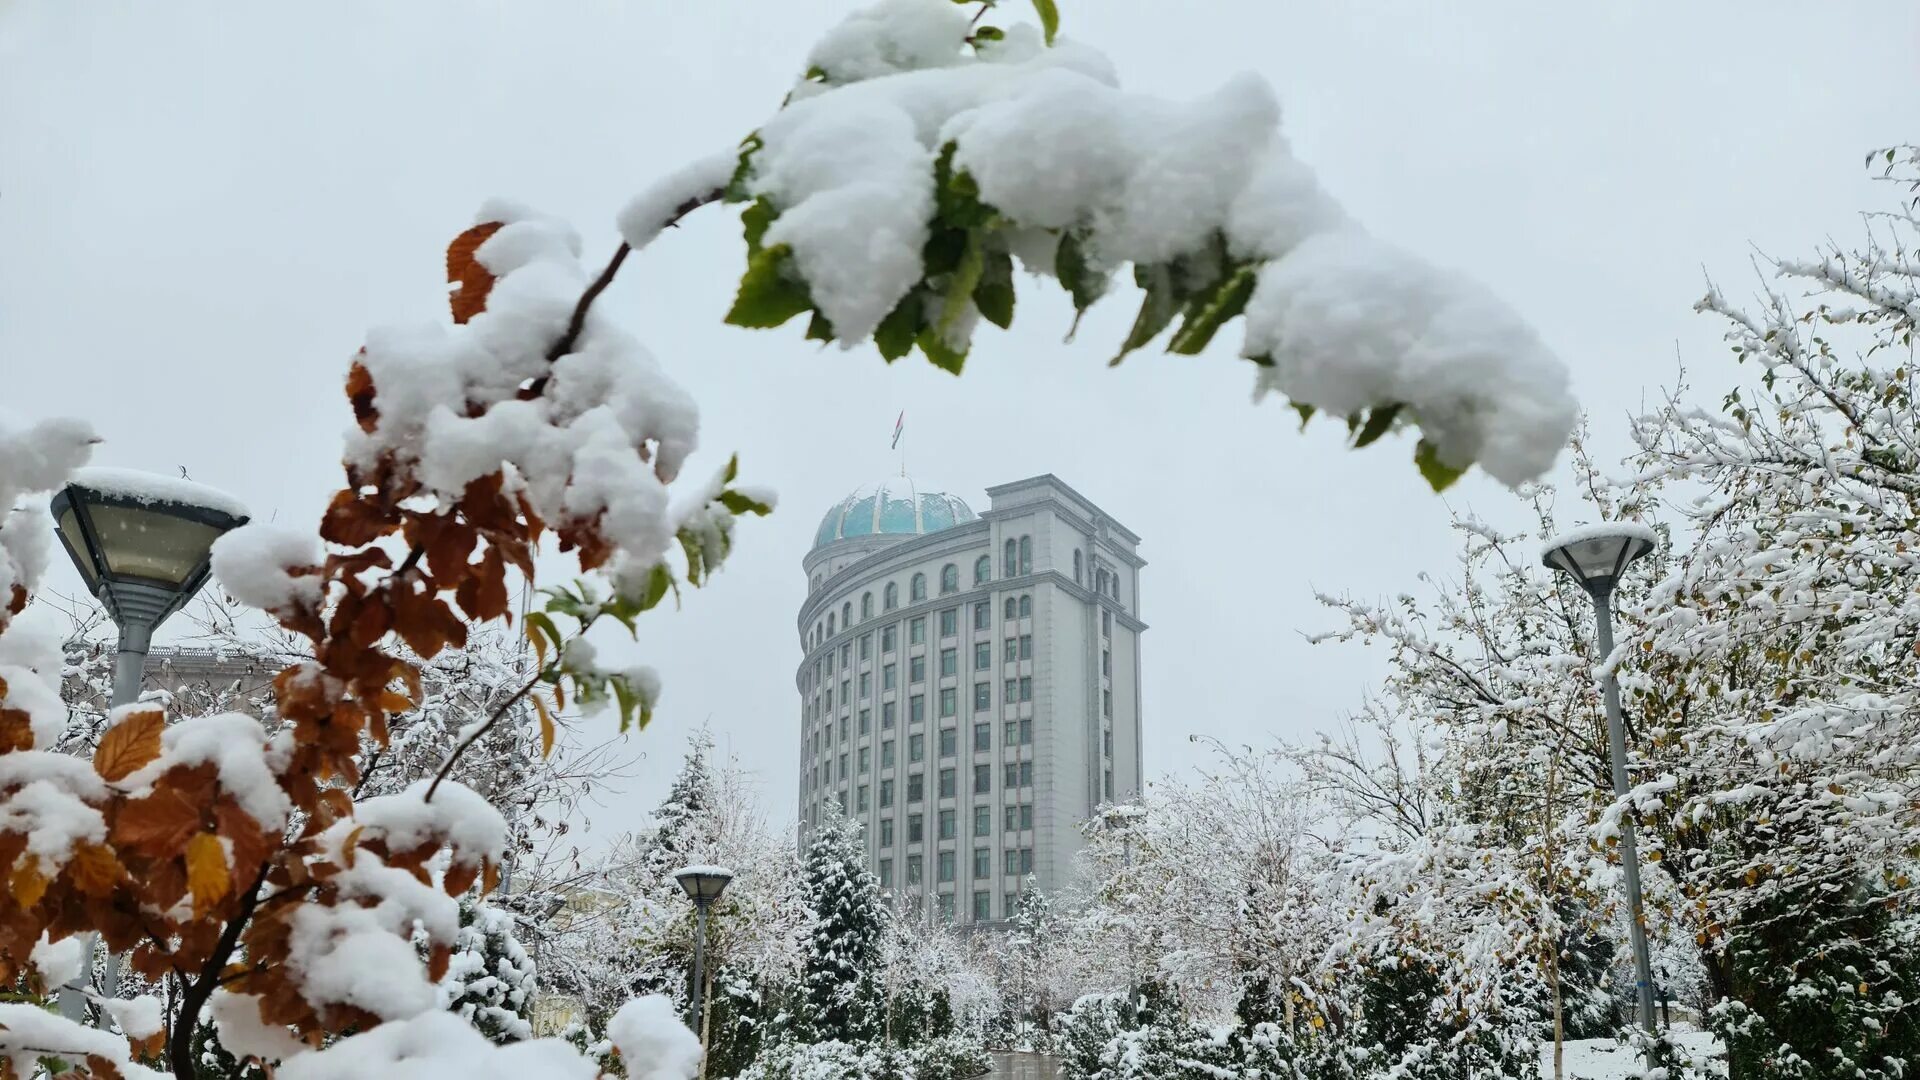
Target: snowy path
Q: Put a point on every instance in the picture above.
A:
(1604, 1059)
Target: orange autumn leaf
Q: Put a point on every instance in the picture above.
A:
(28, 883)
(460, 877)
(129, 745)
(207, 875)
(95, 869)
(546, 726)
(464, 270)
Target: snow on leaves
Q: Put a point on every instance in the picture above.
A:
(924, 153)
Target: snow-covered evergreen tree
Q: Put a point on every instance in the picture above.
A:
(841, 994)
(490, 980)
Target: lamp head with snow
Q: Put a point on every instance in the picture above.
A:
(142, 540)
(703, 884)
(1596, 555)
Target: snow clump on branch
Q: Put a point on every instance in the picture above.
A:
(916, 130)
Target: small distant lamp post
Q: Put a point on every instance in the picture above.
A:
(703, 886)
(141, 542)
(1596, 556)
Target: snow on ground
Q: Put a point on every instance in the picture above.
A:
(1605, 1059)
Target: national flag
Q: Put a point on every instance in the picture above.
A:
(899, 425)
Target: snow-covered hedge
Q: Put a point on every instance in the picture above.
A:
(938, 1059)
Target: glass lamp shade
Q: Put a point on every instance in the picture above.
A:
(141, 543)
(1597, 555)
(703, 884)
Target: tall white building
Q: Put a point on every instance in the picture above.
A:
(971, 685)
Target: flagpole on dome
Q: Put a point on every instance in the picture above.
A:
(899, 426)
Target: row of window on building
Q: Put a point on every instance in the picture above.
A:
(1019, 561)
(1015, 608)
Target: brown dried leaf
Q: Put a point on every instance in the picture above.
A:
(160, 824)
(16, 728)
(129, 745)
(464, 270)
(360, 396)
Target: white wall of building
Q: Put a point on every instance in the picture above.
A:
(1045, 728)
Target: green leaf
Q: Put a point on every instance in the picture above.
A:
(896, 333)
(545, 624)
(754, 220)
(966, 276)
(819, 329)
(770, 293)
(956, 195)
(1071, 265)
(994, 295)
(737, 184)
(1306, 413)
(987, 33)
(944, 356)
(1198, 328)
(1439, 474)
(1378, 421)
(659, 580)
(1157, 308)
(945, 248)
(1049, 18)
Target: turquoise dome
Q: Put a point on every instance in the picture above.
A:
(893, 507)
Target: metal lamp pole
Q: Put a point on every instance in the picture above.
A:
(703, 885)
(1596, 557)
(143, 544)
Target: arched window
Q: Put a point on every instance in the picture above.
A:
(1026, 554)
(1010, 607)
(866, 606)
(846, 613)
(829, 623)
(890, 599)
(1100, 582)
(1011, 564)
(1026, 605)
(917, 590)
(949, 579)
(982, 569)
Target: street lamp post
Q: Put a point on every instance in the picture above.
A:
(141, 542)
(703, 885)
(1595, 557)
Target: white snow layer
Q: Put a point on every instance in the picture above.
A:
(1346, 320)
(252, 563)
(146, 487)
(438, 1045)
(653, 1043)
(29, 1033)
(647, 214)
(33, 458)
(1605, 530)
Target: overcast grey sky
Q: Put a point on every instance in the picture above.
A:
(204, 205)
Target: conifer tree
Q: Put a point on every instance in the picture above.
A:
(842, 997)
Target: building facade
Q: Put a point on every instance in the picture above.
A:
(970, 689)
